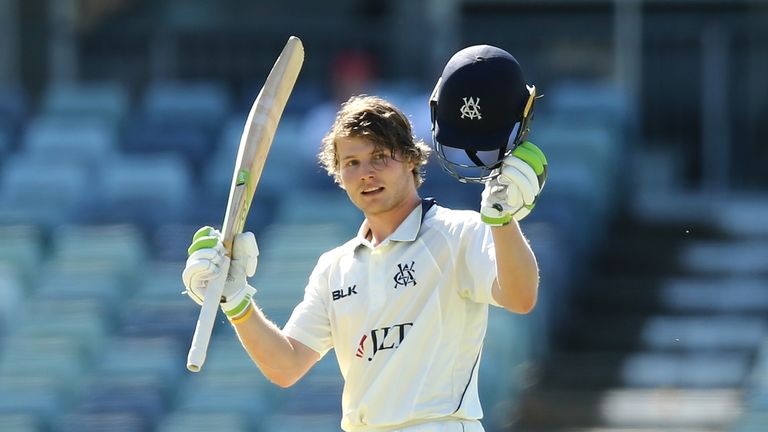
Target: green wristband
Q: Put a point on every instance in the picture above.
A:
(496, 221)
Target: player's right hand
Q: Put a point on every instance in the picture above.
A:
(207, 257)
(512, 194)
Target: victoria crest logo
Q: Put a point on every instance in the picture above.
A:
(405, 275)
(471, 108)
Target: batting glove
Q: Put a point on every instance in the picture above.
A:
(207, 256)
(513, 193)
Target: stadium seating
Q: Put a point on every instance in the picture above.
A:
(12, 290)
(54, 194)
(205, 103)
(142, 399)
(82, 138)
(142, 189)
(151, 135)
(14, 109)
(32, 396)
(204, 422)
(105, 99)
(5, 142)
(20, 423)
(98, 422)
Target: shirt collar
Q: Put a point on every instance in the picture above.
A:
(407, 231)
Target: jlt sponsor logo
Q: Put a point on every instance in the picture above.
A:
(340, 294)
(405, 275)
(382, 339)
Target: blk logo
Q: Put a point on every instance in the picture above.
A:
(382, 339)
(340, 294)
(405, 275)
(471, 108)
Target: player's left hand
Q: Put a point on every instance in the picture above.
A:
(513, 193)
(207, 257)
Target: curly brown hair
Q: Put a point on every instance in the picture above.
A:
(384, 124)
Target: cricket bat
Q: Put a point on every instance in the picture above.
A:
(255, 142)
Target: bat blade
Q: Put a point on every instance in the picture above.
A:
(258, 133)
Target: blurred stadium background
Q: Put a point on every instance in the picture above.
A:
(119, 120)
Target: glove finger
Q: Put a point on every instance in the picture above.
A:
(521, 175)
(533, 148)
(204, 242)
(525, 169)
(205, 263)
(205, 232)
(203, 268)
(215, 254)
(534, 157)
(202, 232)
(528, 153)
(520, 191)
(197, 271)
(245, 248)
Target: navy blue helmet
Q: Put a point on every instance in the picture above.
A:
(481, 110)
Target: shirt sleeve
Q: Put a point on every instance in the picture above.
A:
(478, 258)
(309, 323)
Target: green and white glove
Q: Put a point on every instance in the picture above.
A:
(207, 256)
(513, 193)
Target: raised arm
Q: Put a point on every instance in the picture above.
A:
(507, 199)
(517, 273)
(281, 359)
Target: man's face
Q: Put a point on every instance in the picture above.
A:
(374, 180)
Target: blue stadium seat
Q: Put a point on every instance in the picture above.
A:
(5, 142)
(234, 394)
(228, 366)
(169, 241)
(170, 317)
(147, 134)
(162, 280)
(557, 269)
(26, 188)
(14, 108)
(157, 358)
(203, 102)
(98, 98)
(590, 99)
(54, 138)
(302, 423)
(326, 207)
(20, 423)
(101, 422)
(193, 421)
(82, 321)
(55, 359)
(102, 251)
(751, 422)
(12, 291)
(147, 190)
(39, 397)
(96, 281)
(144, 399)
(22, 248)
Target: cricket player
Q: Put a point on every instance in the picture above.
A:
(405, 302)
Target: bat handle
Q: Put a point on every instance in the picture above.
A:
(206, 319)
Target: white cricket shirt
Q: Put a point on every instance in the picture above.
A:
(407, 319)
